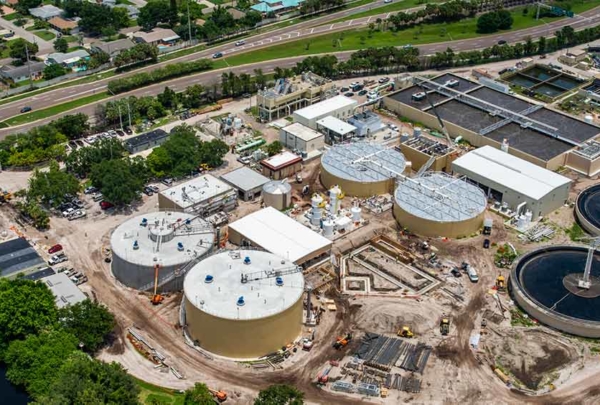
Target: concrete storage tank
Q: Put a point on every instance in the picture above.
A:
(361, 169)
(587, 209)
(244, 318)
(437, 204)
(545, 283)
(277, 194)
(170, 239)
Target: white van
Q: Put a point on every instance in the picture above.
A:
(472, 274)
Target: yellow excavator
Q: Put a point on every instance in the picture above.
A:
(405, 332)
(156, 298)
(501, 283)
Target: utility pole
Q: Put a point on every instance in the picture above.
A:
(129, 111)
(120, 116)
(28, 66)
(189, 23)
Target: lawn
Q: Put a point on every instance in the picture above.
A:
(45, 35)
(70, 38)
(14, 16)
(152, 394)
(51, 111)
(74, 48)
(397, 5)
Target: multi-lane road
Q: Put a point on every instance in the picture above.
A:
(308, 28)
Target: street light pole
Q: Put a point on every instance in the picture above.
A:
(28, 66)
(189, 22)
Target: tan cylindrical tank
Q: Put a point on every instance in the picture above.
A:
(362, 169)
(277, 194)
(235, 309)
(448, 229)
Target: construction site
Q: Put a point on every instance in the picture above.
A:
(374, 274)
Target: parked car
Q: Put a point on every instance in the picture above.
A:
(344, 89)
(97, 197)
(167, 182)
(393, 127)
(104, 205)
(80, 143)
(120, 133)
(128, 130)
(56, 248)
(59, 258)
(154, 188)
(240, 43)
(25, 109)
(456, 272)
(148, 191)
(472, 274)
(73, 145)
(90, 190)
(384, 80)
(217, 55)
(349, 94)
(486, 243)
(362, 92)
(68, 212)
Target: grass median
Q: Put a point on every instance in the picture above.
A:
(153, 394)
(396, 6)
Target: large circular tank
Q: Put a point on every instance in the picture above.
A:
(238, 318)
(437, 204)
(361, 169)
(169, 239)
(544, 283)
(587, 209)
(277, 194)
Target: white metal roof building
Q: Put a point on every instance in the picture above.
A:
(244, 303)
(335, 129)
(340, 107)
(248, 182)
(297, 136)
(203, 195)
(64, 290)
(277, 233)
(517, 182)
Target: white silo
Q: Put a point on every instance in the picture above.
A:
(277, 194)
(355, 214)
(334, 199)
(316, 210)
(504, 145)
(328, 226)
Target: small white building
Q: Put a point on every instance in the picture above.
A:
(202, 195)
(367, 123)
(277, 233)
(335, 129)
(64, 290)
(512, 180)
(303, 139)
(340, 107)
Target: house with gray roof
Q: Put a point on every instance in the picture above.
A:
(18, 74)
(46, 12)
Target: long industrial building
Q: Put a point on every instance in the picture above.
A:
(483, 116)
(508, 179)
(244, 304)
(277, 233)
(340, 107)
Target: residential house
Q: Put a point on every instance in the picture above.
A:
(18, 74)
(158, 36)
(113, 48)
(64, 26)
(46, 12)
(70, 60)
(132, 11)
(236, 14)
(276, 6)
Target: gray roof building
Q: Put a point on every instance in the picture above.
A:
(113, 48)
(45, 272)
(146, 141)
(46, 12)
(16, 256)
(59, 58)
(64, 290)
(248, 182)
(18, 72)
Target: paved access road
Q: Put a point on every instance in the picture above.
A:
(590, 18)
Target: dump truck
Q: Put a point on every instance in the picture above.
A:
(445, 326)
(405, 332)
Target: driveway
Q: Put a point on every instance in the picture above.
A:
(44, 46)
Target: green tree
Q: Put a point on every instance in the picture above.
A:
(89, 322)
(26, 307)
(274, 148)
(51, 186)
(198, 395)
(54, 71)
(154, 12)
(280, 394)
(116, 180)
(212, 152)
(72, 126)
(19, 48)
(36, 213)
(194, 96)
(183, 149)
(81, 380)
(505, 19)
(159, 162)
(23, 6)
(61, 45)
(32, 363)
(80, 161)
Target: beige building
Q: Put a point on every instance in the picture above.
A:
(303, 139)
(202, 195)
(483, 116)
(420, 150)
(244, 318)
(289, 95)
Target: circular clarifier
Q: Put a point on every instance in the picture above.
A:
(587, 209)
(547, 284)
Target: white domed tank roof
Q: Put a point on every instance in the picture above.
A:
(277, 187)
(215, 285)
(176, 230)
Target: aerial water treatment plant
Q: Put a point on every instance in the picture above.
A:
(169, 240)
(244, 304)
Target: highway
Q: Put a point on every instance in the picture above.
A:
(590, 18)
